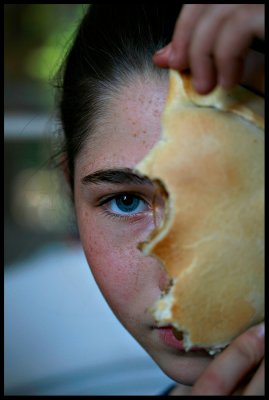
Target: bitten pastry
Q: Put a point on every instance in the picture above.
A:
(209, 167)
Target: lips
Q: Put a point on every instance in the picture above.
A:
(173, 338)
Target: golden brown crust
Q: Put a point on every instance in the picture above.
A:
(211, 162)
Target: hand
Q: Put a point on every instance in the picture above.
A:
(214, 41)
(238, 370)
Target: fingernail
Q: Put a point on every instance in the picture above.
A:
(163, 50)
(259, 330)
(202, 86)
(199, 85)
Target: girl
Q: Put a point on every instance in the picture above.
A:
(111, 100)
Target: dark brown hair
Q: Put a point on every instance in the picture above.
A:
(112, 43)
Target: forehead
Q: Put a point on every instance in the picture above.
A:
(128, 129)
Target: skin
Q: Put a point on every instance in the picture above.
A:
(214, 42)
(129, 281)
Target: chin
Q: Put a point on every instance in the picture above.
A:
(182, 367)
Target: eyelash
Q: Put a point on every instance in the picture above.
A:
(123, 217)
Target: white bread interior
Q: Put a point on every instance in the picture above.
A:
(210, 161)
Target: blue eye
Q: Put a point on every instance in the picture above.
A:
(125, 204)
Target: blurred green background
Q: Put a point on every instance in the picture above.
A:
(36, 203)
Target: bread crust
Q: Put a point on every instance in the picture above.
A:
(210, 161)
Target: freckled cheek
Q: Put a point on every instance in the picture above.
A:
(122, 273)
(109, 264)
(115, 268)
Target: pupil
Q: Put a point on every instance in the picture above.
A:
(127, 200)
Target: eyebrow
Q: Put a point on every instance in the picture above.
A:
(116, 176)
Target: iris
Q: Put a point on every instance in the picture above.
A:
(128, 203)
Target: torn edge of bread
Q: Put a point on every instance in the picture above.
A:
(238, 101)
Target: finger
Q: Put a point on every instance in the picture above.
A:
(181, 37)
(161, 56)
(201, 51)
(206, 79)
(233, 44)
(258, 22)
(185, 25)
(228, 369)
(256, 385)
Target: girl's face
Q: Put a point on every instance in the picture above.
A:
(114, 214)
